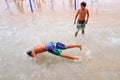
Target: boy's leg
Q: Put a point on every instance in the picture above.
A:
(76, 34)
(83, 28)
(77, 30)
(83, 32)
(73, 46)
(69, 56)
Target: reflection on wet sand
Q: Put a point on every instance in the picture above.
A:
(95, 5)
(19, 5)
(18, 33)
(8, 7)
(70, 3)
(37, 5)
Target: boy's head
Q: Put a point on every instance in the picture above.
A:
(83, 4)
(29, 53)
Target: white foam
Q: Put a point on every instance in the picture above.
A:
(114, 40)
(1, 28)
(77, 60)
(14, 28)
(94, 0)
(87, 52)
(9, 33)
(0, 59)
(22, 77)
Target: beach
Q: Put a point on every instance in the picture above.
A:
(53, 20)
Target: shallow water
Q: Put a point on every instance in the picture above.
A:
(20, 32)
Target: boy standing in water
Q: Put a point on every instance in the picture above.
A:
(81, 18)
(54, 48)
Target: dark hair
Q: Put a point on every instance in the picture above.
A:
(83, 4)
(29, 53)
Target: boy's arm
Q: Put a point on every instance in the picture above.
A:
(76, 17)
(87, 16)
(34, 56)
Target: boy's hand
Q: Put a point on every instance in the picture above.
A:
(86, 21)
(36, 59)
(74, 22)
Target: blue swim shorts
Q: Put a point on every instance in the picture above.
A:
(55, 48)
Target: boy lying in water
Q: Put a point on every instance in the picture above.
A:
(54, 48)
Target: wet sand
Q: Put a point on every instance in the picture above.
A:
(20, 32)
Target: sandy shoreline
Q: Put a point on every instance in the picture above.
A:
(106, 16)
(20, 32)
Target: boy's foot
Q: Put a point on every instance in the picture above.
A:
(82, 35)
(80, 46)
(79, 59)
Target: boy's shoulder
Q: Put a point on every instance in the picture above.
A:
(86, 9)
(79, 10)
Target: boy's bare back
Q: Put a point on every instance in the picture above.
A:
(39, 48)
